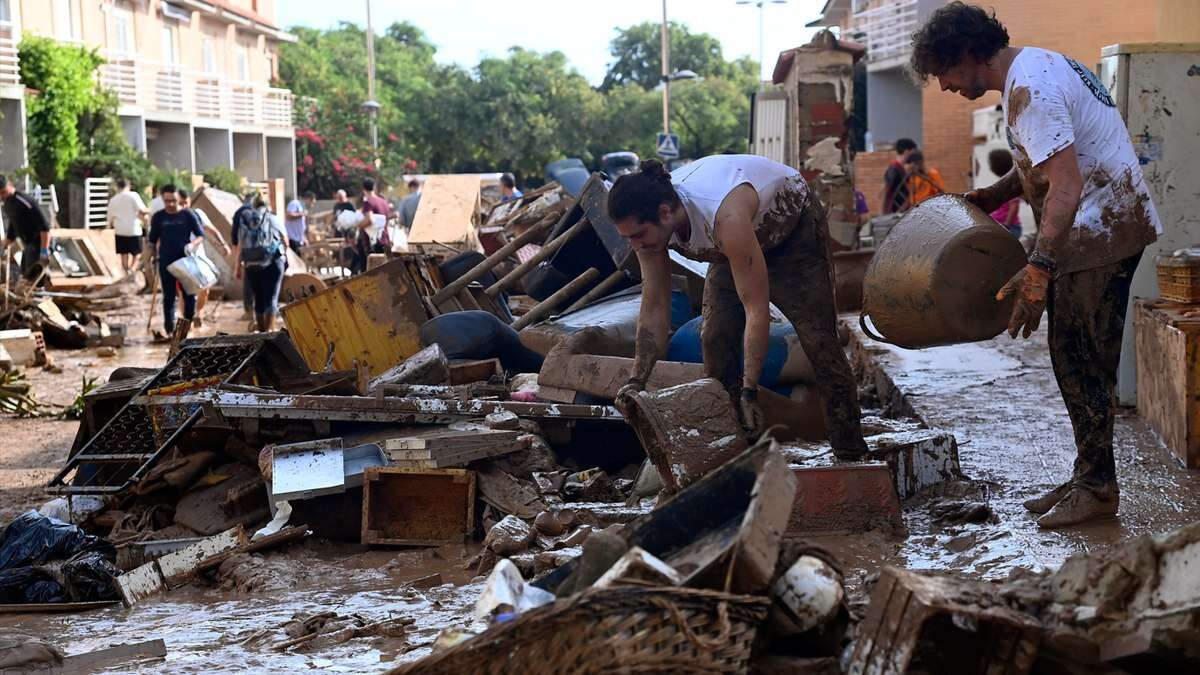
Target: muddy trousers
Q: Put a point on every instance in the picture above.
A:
(1086, 312)
(800, 273)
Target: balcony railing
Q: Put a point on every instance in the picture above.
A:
(161, 87)
(888, 25)
(10, 68)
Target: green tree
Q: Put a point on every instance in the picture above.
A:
(62, 77)
(637, 57)
(711, 116)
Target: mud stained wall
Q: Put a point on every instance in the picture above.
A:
(1077, 28)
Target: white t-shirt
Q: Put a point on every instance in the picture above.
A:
(123, 210)
(1052, 102)
(157, 204)
(296, 227)
(704, 184)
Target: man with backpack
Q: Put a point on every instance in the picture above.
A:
(174, 232)
(258, 246)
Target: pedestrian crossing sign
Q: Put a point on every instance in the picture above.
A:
(668, 146)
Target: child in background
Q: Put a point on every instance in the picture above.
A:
(1000, 162)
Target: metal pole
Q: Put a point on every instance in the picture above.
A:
(371, 83)
(666, 71)
(762, 51)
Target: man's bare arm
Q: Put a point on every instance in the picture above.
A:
(654, 318)
(1062, 202)
(995, 195)
(736, 239)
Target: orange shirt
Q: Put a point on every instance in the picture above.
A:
(924, 186)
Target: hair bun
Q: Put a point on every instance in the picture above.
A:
(655, 169)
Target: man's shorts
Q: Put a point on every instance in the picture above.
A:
(130, 245)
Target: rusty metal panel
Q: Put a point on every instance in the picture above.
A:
(373, 318)
(417, 507)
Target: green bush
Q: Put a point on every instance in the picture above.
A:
(224, 178)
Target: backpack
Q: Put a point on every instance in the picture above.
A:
(260, 240)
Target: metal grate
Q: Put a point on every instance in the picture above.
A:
(126, 447)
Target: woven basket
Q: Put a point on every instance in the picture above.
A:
(1179, 278)
(625, 630)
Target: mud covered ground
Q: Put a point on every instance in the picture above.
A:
(999, 398)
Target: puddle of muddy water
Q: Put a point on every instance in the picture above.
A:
(204, 628)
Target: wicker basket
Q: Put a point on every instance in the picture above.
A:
(626, 630)
(1179, 278)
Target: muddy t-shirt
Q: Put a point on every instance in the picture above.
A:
(1052, 102)
(704, 184)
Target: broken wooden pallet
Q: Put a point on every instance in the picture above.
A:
(449, 449)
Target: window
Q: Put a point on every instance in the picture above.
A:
(122, 30)
(243, 64)
(5, 13)
(170, 51)
(208, 55)
(66, 20)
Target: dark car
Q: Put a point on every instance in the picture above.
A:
(616, 164)
(571, 173)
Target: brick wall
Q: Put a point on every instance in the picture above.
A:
(868, 175)
(1077, 28)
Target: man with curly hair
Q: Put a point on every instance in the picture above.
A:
(1076, 166)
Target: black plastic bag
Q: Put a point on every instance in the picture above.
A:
(15, 582)
(45, 591)
(90, 576)
(33, 539)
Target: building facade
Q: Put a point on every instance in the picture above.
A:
(949, 127)
(193, 79)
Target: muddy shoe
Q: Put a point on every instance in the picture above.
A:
(1040, 505)
(1080, 505)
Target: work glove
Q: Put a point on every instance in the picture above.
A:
(985, 199)
(1030, 285)
(753, 420)
(626, 394)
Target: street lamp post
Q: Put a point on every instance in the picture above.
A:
(371, 105)
(762, 54)
(666, 71)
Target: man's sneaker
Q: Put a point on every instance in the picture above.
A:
(1081, 505)
(1040, 505)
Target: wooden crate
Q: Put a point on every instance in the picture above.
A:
(417, 507)
(1168, 375)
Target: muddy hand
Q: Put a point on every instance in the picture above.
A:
(1029, 285)
(626, 394)
(753, 420)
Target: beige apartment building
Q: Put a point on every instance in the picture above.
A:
(193, 78)
(950, 128)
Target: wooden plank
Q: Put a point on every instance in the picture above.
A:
(448, 213)
(244, 405)
(450, 440)
(605, 375)
(90, 661)
(466, 372)
(178, 567)
(54, 607)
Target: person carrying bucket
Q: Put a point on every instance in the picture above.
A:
(766, 239)
(1076, 166)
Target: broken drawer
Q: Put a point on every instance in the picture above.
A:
(417, 507)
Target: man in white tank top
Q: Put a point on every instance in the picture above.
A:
(767, 240)
(1076, 166)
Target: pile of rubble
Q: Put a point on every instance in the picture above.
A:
(465, 393)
